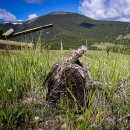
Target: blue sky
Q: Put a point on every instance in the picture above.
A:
(14, 10)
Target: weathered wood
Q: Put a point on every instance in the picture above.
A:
(13, 43)
(7, 33)
(10, 51)
(67, 76)
(30, 30)
(58, 69)
(72, 58)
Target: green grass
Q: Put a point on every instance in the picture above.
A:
(23, 96)
(20, 76)
(104, 45)
(120, 37)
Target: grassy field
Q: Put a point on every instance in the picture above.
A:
(23, 96)
(104, 45)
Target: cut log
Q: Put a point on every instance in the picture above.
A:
(68, 78)
(30, 30)
(8, 33)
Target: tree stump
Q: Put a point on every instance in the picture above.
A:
(68, 78)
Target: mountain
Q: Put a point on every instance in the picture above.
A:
(72, 28)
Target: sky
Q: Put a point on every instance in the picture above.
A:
(111, 10)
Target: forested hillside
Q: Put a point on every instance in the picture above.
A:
(72, 28)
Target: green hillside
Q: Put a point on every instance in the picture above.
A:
(73, 28)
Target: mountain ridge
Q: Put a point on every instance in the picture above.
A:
(70, 25)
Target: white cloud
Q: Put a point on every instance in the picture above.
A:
(35, 1)
(20, 20)
(106, 9)
(6, 16)
(31, 16)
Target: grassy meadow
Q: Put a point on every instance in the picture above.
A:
(23, 96)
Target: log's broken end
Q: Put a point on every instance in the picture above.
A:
(74, 57)
(83, 48)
